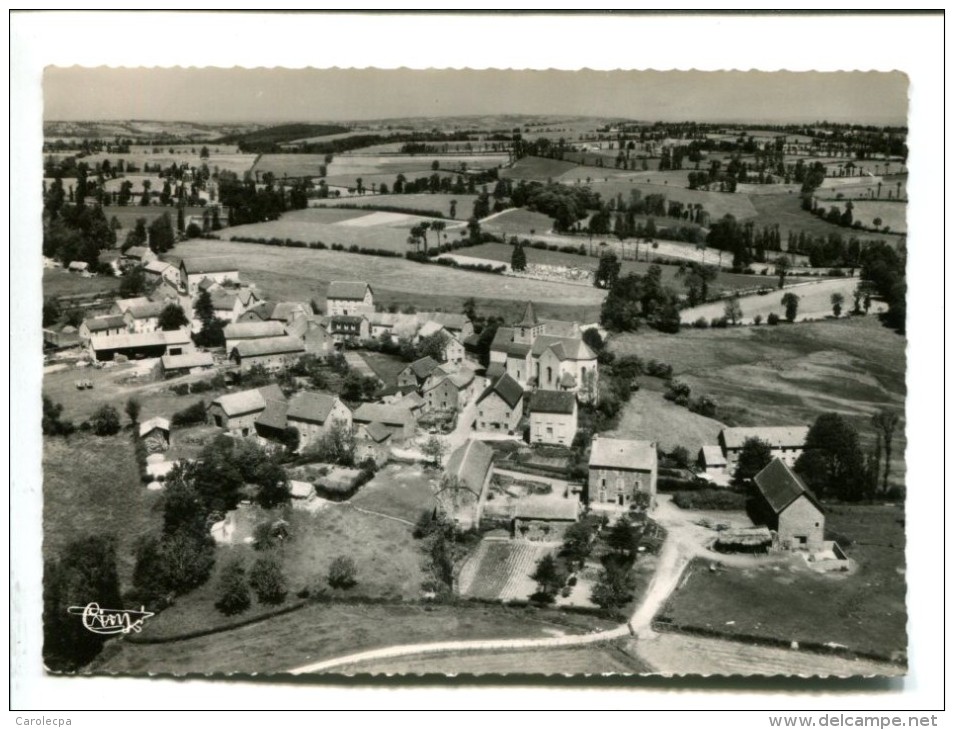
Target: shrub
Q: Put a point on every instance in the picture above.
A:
(715, 499)
(200, 386)
(658, 369)
(701, 323)
(719, 322)
(105, 422)
(267, 579)
(342, 572)
(191, 415)
(180, 389)
(678, 393)
(757, 319)
(234, 596)
(772, 319)
(704, 406)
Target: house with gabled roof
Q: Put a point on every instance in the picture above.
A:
(622, 472)
(447, 392)
(155, 271)
(395, 418)
(143, 317)
(192, 270)
(275, 354)
(500, 406)
(416, 373)
(314, 415)
(136, 256)
(346, 327)
(121, 305)
(712, 461)
(312, 331)
(553, 417)
(189, 363)
(458, 325)
(236, 332)
(788, 507)
(142, 344)
(349, 298)
(785, 442)
(237, 412)
(104, 326)
(466, 481)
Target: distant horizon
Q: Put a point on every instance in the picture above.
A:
(284, 96)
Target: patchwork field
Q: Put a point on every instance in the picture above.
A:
(724, 282)
(814, 302)
(891, 214)
(127, 215)
(863, 611)
(345, 167)
(297, 274)
(324, 631)
(789, 373)
(536, 168)
(716, 204)
(345, 226)
(650, 417)
(517, 221)
(596, 659)
(500, 570)
(81, 498)
(60, 282)
(786, 212)
(415, 201)
(401, 491)
(226, 158)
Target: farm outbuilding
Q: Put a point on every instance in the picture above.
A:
(273, 353)
(786, 442)
(189, 363)
(142, 344)
(544, 518)
(238, 412)
(712, 460)
(398, 420)
(154, 434)
(789, 508)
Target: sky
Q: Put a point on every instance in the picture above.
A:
(312, 95)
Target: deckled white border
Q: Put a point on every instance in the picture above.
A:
(910, 44)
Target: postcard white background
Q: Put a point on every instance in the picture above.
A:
(913, 44)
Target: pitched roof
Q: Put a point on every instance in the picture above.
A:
(223, 300)
(389, 415)
(529, 317)
(781, 486)
(109, 322)
(274, 416)
(352, 290)
(187, 360)
(470, 463)
(236, 404)
(462, 378)
(448, 320)
(503, 337)
(776, 436)
(377, 431)
(268, 346)
(157, 267)
(142, 339)
(311, 407)
(423, 367)
(253, 330)
(531, 508)
(248, 401)
(712, 455)
(147, 310)
(629, 454)
(200, 265)
(246, 295)
(411, 400)
(507, 388)
(123, 304)
(552, 401)
(136, 252)
(261, 311)
(301, 490)
(495, 370)
(517, 350)
(78, 265)
(157, 422)
(283, 311)
(565, 348)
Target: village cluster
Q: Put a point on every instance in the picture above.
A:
(539, 373)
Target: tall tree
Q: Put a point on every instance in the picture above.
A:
(518, 259)
(733, 310)
(754, 456)
(837, 302)
(172, 317)
(790, 302)
(886, 422)
(833, 463)
(781, 268)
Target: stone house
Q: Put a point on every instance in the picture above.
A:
(236, 332)
(193, 270)
(275, 354)
(553, 417)
(100, 327)
(398, 420)
(447, 392)
(314, 414)
(344, 328)
(789, 508)
(143, 317)
(237, 412)
(349, 298)
(500, 406)
(621, 471)
(786, 442)
(416, 373)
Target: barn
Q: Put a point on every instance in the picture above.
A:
(787, 506)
